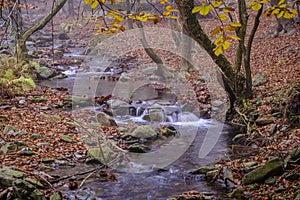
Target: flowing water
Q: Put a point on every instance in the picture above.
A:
(200, 141)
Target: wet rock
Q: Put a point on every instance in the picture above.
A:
(138, 148)
(103, 156)
(237, 193)
(168, 131)
(66, 138)
(46, 73)
(35, 182)
(210, 175)
(105, 120)
(43, 144)
(144, 132)
(3, 118)
(55, 196)
(228, 177)
(203, 169)
(63, 36)
(188, 117)
(259, 79)
(25, 190)
(85, 194)
(264, 121)
(89, 142)
(271, 168)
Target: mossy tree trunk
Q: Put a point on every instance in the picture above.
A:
(21, 50)
(237, 85)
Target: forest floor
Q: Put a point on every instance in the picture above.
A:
(42, 116)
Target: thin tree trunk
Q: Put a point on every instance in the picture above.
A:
(21, 50)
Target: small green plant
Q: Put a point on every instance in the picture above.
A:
(15, 78)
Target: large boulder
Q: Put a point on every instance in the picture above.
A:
(271, 168)
(46, 72)
(144, 132)
(105, 120)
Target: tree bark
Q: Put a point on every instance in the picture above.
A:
(21, 50)
(236, 83)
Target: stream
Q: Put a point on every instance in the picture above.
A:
(163, 172)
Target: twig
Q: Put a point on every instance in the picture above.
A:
(87, 177)
(78, 174)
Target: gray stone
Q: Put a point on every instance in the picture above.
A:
(237, 193)
(157, 114)
(264, 121)
(35, 182)
(138, 148)
(10, 172)
(105, 120)
(271, 168)
(293, 157)
(67, 139)
(259, 79)
(5, 180)
(46, 72)
(103, 156)
(203, 169)
(26, 190)
(144, 93)
(9, 147)
(144, 132)
(9, 128)
(55, 196)
(36, 136)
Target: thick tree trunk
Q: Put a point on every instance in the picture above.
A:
(236, 82)
(21, 50)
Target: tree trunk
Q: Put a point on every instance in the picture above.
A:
(195, 31)
(21, 50)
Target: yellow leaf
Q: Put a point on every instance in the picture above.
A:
(226, 45)
(290, 13)
(94, 4)
(167, 13)
(219, 40)
(168, 8)
(256, 6)
(204, 10)
(229, 28)
(218, 50)
(233, 24)
(87, 1)
(217, 3)
(196, 9)
(280, 14)
(163, 2)
(222, 16)
(281, 2)
(172, 17)
(233, 37)
(216, 30)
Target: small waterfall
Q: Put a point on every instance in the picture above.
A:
(188, 117)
